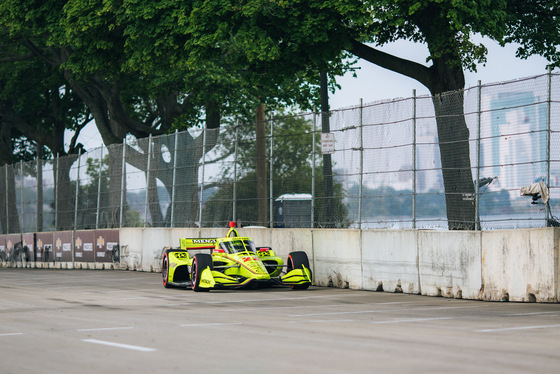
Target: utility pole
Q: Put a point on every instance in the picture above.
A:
(262, 195)
(327, 162)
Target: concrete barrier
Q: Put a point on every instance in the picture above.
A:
(509, 265)
(390, 260)
(450, 263)
(520, 265)
(337, 258)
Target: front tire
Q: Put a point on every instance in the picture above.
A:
(297, 260)
(200, 262)
(165, 270)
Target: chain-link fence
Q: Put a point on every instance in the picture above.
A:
(457, 160)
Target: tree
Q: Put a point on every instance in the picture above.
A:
(131, 64)
(36, 108)
(290, 35)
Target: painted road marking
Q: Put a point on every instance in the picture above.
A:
(118, 345)
(531, 314)
(518, 328)
(277, 299)
(413, 320)
(309, 306)
(209, 324)
(106, 329)
(379, 311)
(12, 334)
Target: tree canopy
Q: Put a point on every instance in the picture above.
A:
(150, 67)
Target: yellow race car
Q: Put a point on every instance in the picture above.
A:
(234, 262)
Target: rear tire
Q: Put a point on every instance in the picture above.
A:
(165, 270)
(200, 262)
(295, 261)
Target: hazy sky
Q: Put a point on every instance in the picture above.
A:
(374, 83)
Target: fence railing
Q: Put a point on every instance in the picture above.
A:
(387, 169)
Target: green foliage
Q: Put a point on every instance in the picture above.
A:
(292, 168)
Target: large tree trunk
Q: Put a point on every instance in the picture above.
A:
(453, 137)
(447, 87)
(9, 214)
(65, 193)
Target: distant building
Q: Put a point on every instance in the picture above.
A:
(513, 146)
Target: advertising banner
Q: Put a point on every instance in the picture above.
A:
(63, 246)
(13, 247)
(107, 246)
(44, 247)
(84, 244)
(3, 253)
(29, 246)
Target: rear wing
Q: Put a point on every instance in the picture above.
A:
(200, 243)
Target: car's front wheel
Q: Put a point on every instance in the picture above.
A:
(298, 260)
(165, 270)
(200, 262)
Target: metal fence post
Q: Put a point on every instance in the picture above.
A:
(314, 156)
(201, 199)
(477, 186)
(548, 129)
(361, 184)
(414, 171)
(147, 178)
(56, 196)
(77, 188)
(21, 196)
(271, 187)
(172, 224)
(123, 184)
(235, 174)
(39, 218)
(99, 189)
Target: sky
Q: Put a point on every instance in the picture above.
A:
(376, 84)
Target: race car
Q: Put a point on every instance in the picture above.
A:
(233, 262)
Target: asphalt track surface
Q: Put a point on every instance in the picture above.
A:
(87, 321)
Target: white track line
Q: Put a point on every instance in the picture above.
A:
(12, 334)
(413, 320)
(376, 311)
(518, 328)
(106, 329)
(118, 345)
(209, 324)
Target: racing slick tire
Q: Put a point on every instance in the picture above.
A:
(165, 270)
(200, 262)
(295, 261)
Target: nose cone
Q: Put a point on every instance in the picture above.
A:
(256, 266)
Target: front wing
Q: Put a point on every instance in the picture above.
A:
(215, 279)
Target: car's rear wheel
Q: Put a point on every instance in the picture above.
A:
(200, 262)
(165, 270)
(297, 260)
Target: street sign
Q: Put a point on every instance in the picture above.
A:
(327, 143)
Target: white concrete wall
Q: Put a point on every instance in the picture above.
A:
(520, 265)
(515, 265)
(337, 258)
(390, 260)
(450, 263)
